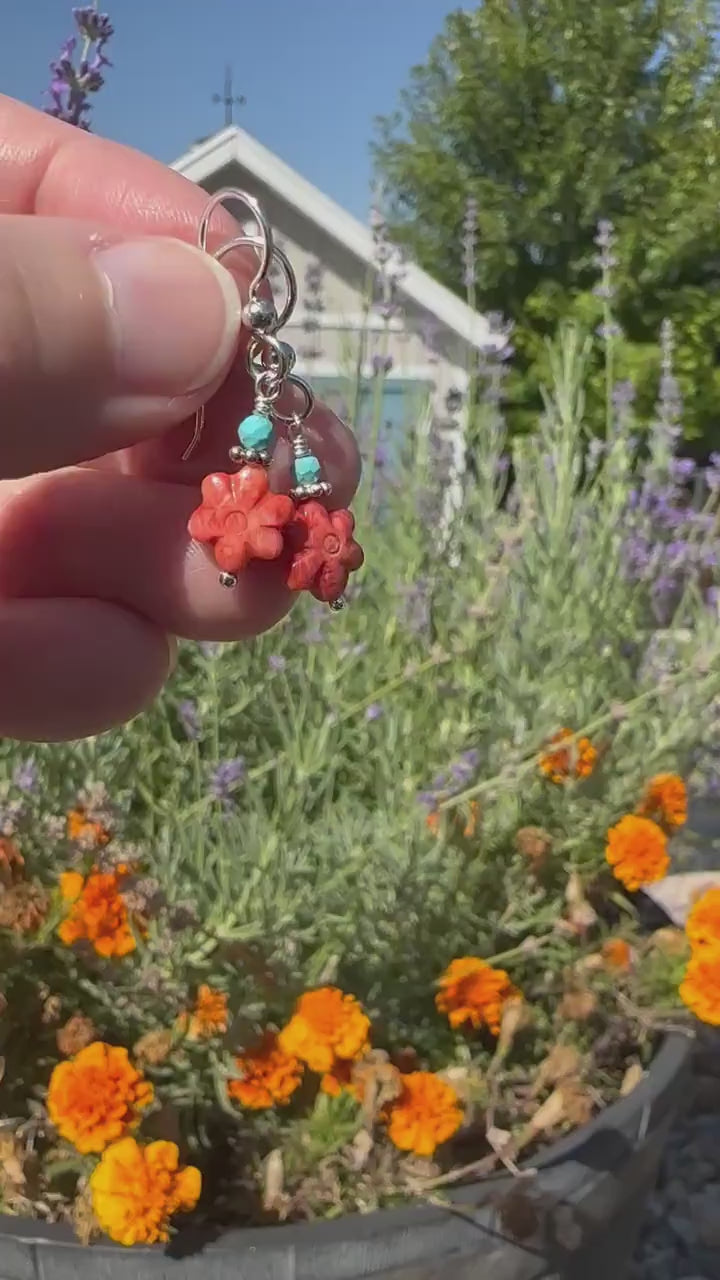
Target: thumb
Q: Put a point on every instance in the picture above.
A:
(103, 341)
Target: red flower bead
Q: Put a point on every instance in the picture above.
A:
(324, 551)
(241, 518)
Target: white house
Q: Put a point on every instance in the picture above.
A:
(334, 329)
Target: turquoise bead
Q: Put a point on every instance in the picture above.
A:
(307, 469)
(255, 431)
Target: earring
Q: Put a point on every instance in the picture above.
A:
(240, 518)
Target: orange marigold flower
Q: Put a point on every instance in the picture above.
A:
(665, 800)
(339, 1079)
(432, 821)
(98, 913)
(209, 1015)
(136, 1190)
(471, 991)
(616, 953)
(95, 1097)
(700, 988)
(577, 759)
(426, 1113)
(702, 926)
(326, 1025)
(268, 1075)
(86, 830)
(637, 851)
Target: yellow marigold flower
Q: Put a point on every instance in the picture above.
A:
(95, 1097)
(702, 926)
(700, 988)
(574, 760)
(665, 800)
(426, 1113)
(209, 1015)
(616, 954)
(326, 1025)
(637, 851)
(136, 1190)
(472, 992)
(268, 1075)
(98, 913)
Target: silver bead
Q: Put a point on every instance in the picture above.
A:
(289, 356)
(338, 605)
(239, 454)
(260, 314)
(228, 580)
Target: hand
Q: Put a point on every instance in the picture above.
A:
(109, 341)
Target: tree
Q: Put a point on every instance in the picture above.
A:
(553, 115)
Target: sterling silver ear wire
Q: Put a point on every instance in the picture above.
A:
(240, 518)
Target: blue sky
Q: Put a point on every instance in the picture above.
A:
(315, 73)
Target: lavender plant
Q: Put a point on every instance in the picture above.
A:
(79, 72)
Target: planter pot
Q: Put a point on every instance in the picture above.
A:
(587, 1203)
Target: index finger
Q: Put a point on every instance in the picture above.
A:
(57, 170)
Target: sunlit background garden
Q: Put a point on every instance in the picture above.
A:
(442, 772)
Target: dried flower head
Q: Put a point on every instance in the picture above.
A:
(473, 993)
(700, 988)
(326, 1025)
(637, 851)
(665, 800)
(209, 1014)
(136, 1190)
(12, 863)
(95, 1097)
(702, 926)
(98, 912)
(77, 1033)
(535, 844)
(426, 1113)
(23, 908)
(566, 758)
(154, 1047)
(268, 1076)
(616, 954)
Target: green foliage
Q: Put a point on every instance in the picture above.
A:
(467, 644)
(553, 115)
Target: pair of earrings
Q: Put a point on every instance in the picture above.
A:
(240, 519)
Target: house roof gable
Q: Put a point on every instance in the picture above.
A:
(233, 144)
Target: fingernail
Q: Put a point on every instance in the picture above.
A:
(175, 315)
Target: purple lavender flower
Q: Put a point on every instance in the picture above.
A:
(71, 84)
(373, 712)
(414, 605)
(609, 331)
(189, 717)
(712, 473)
(381, 364)
(25, 776)
(623, 394)
(209, 648)
(682, 469)
(95, 27)
(225, 779)
(276, 662)
(469, 242)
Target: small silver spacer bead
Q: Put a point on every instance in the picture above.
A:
(303, 491)
(238, 454)
(260, 314)
(338, 605)
(228, 580)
